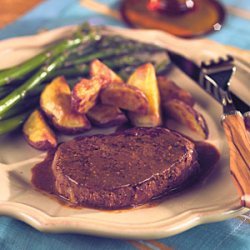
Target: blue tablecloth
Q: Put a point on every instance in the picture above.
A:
(231, 234)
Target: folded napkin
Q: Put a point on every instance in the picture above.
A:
(231, 234)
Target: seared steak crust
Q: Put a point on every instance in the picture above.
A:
(123, 169)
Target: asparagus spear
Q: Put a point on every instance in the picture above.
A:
(83, 69)
(13, 123)
(122, 46)
(108, 42)
(20, 71)
(78, 70)
(111, 41)
(110, 52)
(21, 92)
(123, 61)
(26, 104)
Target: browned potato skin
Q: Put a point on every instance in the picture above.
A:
(85, 94)
(37, 132)
(169, 90)
(144, 78)
(106, 116)
(188, 116)
(99, 69)
(125, 97)
(55, 102)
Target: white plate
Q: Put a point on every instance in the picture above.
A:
(214, 199)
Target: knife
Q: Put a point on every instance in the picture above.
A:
(214, 77)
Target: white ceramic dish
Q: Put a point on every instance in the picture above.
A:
(214, 199)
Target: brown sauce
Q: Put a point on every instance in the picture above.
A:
(43, 179)
(208, 156)
(42, 176)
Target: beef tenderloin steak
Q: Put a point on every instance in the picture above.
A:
(123, 169)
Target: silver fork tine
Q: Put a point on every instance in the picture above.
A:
(213, 83)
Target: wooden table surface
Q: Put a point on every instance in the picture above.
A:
(10, 10)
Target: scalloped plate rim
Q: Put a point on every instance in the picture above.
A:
(43, 222)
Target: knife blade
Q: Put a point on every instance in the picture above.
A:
(193, 71)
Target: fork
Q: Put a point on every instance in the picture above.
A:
(215, 79)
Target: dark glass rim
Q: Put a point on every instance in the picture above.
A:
(219, 8)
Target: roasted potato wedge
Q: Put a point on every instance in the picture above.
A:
(187, 115)
(99, 69)
(125, 97)
(55, 102)
(85, 94)
(106, 116)
(37, 132)
(169, 90)
(144, 78)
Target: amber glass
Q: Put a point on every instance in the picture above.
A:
(185, 18)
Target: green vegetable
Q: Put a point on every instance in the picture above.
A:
(20, 71)
(82, 70)
(26, 104)
(22, 91)
(111, 52)
(78, 70)
(13, 123)
(41, 75)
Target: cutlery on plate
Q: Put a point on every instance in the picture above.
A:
(214, 77)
